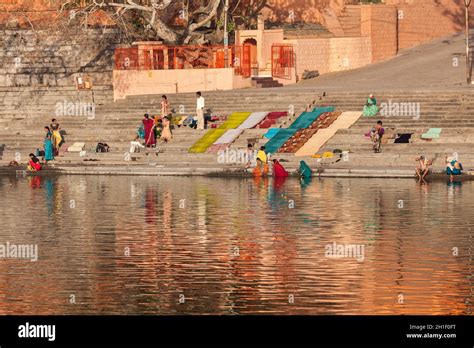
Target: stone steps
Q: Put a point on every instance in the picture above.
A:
(116, 124)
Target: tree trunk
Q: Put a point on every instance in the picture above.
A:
(165, 33)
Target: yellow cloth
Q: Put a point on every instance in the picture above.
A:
(262, 156)
(328, 155)
(181, 120)
(56, 139)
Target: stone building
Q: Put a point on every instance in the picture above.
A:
(350, 35)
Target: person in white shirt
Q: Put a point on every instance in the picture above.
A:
(135, 145)
(200, 110)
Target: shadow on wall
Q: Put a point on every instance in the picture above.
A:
(289, 11)
(455, 11)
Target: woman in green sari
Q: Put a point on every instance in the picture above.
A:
(305, 171)
(370, 108)
(48, 145)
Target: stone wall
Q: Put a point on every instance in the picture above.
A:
(303, 10)
(425, 20)
(135, 82)
(331, 54)
(24, 13)
(39, 58)
(42, 14)
(379, 23)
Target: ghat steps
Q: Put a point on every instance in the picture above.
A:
(116, 122)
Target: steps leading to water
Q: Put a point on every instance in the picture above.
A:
(116, 122)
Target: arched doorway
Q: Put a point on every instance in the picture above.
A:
(252, 43)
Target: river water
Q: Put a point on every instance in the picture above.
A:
(195, 245)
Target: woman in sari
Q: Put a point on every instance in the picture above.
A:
(55, 135)
(166, 132)
(262, 166)
(453, 167)
(33, 163)
(370, 108)
(48, 145)
(305, 171)
(278, 170)
(149, 131)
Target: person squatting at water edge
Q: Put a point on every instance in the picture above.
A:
(304, 170)
(453, 167)
(33, 163)
(250, 157)
(423, 167)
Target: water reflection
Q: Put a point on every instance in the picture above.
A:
(132, 245)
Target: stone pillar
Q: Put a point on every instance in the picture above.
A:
(260, 43)
(165, 59)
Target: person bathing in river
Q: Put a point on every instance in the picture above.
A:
(34, 163)
(250, 158)
(262, 167)
(304, 170)
(453, 167)
(423, 167)
(278, 170)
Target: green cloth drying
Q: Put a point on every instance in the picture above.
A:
(433, 133)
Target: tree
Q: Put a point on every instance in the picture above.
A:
(176, 22)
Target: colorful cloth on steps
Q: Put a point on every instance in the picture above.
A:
(432, 133)
(254, 119)
(303, 121)
(299, 139)
(271, 132)
(229, 136)
(271, 119)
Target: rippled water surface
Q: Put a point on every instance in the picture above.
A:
(151, 245)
